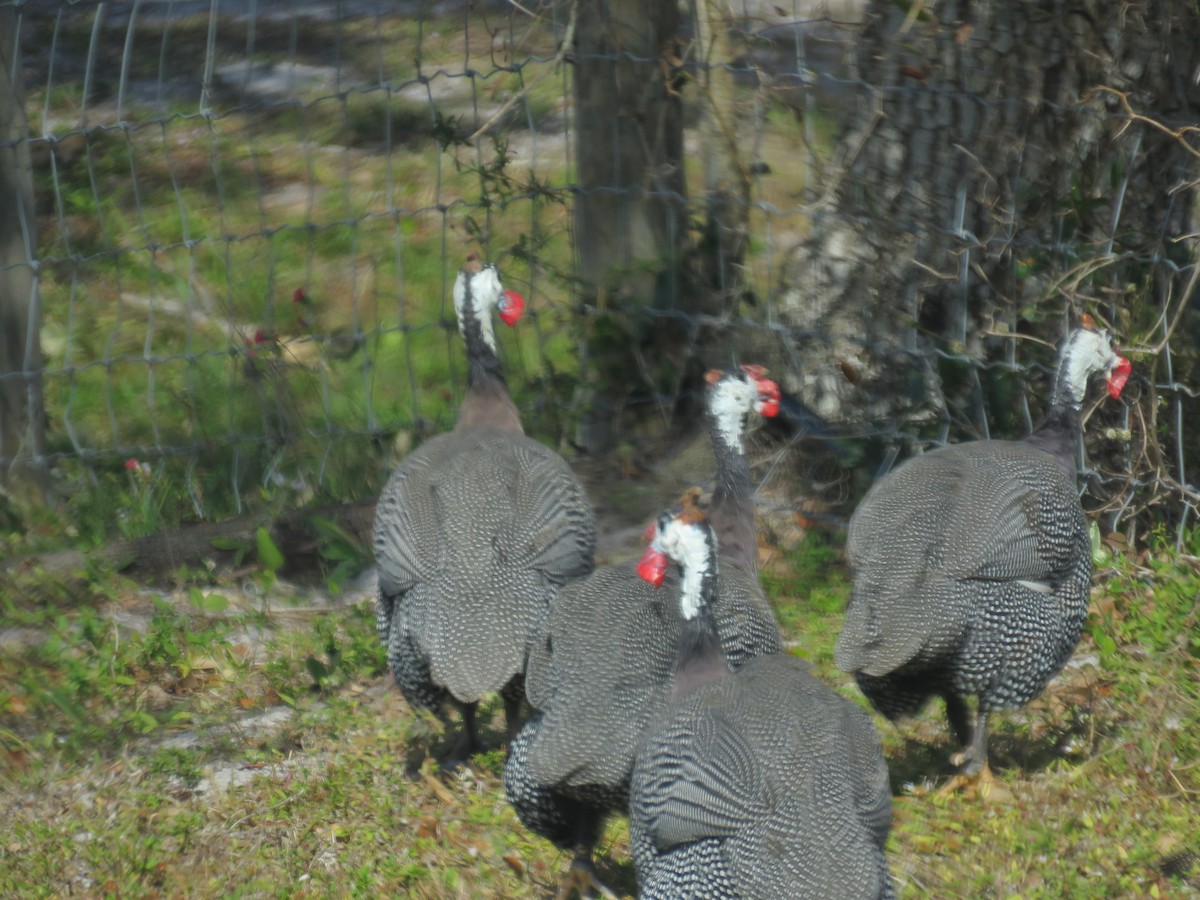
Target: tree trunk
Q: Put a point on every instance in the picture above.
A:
(724, 124)
(22, 427)
(630, 210)
(985, 183)
(629, 214)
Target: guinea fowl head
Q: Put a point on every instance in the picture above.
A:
(1089, 350)
(732, 395)
(682, 534)
(477, 291)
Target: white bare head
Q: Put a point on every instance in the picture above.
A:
(683, 535)
(731, 397)
(478, 290)
(1088, 350)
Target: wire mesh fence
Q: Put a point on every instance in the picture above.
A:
(248, 216)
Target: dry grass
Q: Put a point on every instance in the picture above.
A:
(334, 795)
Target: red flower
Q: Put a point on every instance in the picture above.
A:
(298, 296)
(131, 464)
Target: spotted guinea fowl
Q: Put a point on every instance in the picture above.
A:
(755, 782)
(972, 566)
(604, 663)
(474, 534)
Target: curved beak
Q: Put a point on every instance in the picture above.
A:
(512, 305)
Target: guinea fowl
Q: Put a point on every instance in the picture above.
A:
(759, 782)
(603, 665)
(972, 566)
(474, 534)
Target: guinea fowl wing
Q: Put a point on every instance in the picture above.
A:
(479, 532)
(970, 512)
(602, 668)
(789, 777)
(408, 534)
(715, 787)
(604, 664)
(556, 534)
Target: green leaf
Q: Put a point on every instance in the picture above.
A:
(1100, 554)
(215, 603)
(269, 556)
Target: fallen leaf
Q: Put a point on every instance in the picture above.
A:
(515, 863)
(18, 759)
(439, 789)
(428, 827)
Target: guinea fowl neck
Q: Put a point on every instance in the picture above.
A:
(488, 403)
(1059, 431)
(699, 658)
(732, 512)
(1057, 435)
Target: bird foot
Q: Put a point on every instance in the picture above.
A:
(979, 784)
(459, 756)
(581, 881)
(966, 761)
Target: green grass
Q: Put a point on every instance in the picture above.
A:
(170, 244)
(339, 797)
(369, 215)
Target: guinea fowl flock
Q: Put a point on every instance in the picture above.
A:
(743, 775)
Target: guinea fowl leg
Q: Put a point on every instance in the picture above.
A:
(468, 743)
(512, 694)
(973, 758)
(959, 717)
(973, 765)
(581, 877)
(581, 880)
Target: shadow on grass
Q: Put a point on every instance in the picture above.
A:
(434, 738)
(1014, 749)
(618, 876)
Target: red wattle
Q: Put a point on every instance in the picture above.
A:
(1120, 375)
(768, 393)
(768, 407)
(653, 566)
(512, 305)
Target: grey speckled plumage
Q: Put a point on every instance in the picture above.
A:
(603, 666)
(474, 534)
(760, 783)
(972, 567)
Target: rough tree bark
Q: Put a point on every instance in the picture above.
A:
(980, 164)
(22, 429)
(630, 215)
(722, 248)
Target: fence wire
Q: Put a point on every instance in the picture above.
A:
(248, 216)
